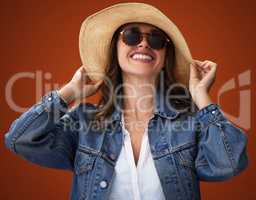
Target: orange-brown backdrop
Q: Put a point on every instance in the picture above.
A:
(41, 37)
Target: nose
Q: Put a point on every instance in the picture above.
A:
(144, 42)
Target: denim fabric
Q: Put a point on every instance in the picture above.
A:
(186, 147)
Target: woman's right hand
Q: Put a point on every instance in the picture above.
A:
(79, 87)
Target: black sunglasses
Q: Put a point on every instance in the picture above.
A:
(132, 36)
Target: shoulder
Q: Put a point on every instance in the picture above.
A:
(83, 110)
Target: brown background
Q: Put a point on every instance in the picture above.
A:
(43, 35)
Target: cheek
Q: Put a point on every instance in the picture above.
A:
(121, 53)
(119, 50)
(161, 58)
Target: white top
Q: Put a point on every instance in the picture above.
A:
(131, 182)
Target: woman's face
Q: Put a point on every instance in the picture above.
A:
(141, 59)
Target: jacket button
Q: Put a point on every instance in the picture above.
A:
(103, 184)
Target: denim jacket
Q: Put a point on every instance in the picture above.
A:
(186, 148)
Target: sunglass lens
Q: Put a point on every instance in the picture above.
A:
(131, 37)
(156, 41)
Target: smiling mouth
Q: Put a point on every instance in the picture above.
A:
(142, 57)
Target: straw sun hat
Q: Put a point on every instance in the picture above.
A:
(97, 31)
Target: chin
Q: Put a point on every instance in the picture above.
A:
(141, 72)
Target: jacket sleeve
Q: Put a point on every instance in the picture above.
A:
(44, 135)
(221, 146)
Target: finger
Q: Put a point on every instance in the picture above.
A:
(203, 63)
(200, 63)
(98, 83)
(208, 63)
(207, 66)
(200, 69)
(210, 67)
(211, 73)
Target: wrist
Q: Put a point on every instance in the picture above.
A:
(202, 99)
(67, 93)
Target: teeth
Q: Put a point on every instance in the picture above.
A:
(141, 57)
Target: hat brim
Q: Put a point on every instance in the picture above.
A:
(97, 31)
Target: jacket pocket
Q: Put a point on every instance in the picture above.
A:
(187, 155)
(83, 162)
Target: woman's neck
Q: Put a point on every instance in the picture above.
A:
(138, 97)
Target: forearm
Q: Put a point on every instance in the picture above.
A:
(222, 146)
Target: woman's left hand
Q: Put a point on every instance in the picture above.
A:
(202, 76)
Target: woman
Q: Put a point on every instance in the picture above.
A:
(141, 141)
